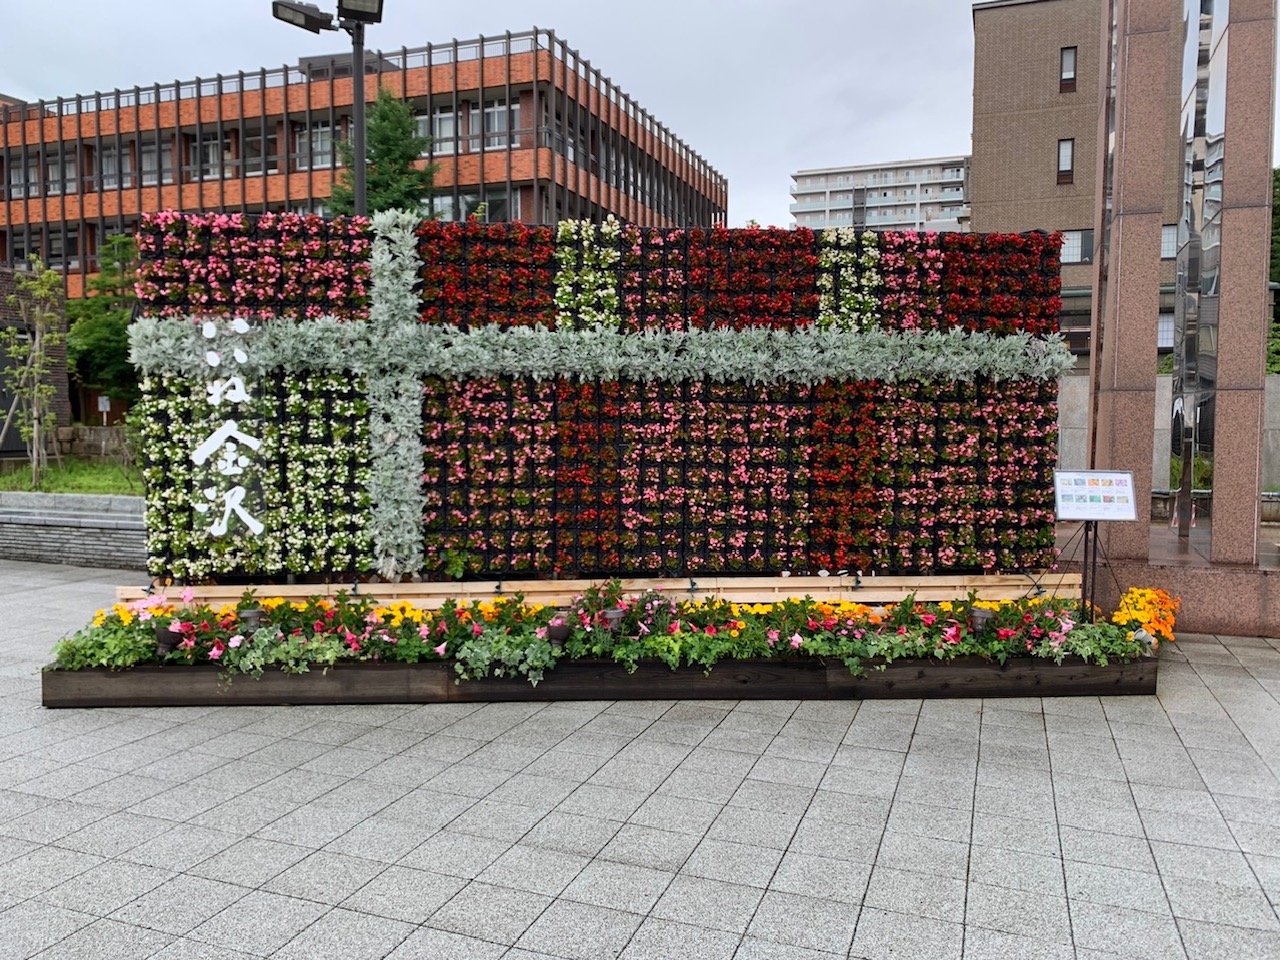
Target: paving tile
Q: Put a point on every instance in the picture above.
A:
(534, 869)
(43, 869)
(426, 808)
(103, 889)
(694, 784)
(762, 828)
(580, 930)
(665, 811)
(797, 921)
(182, 803)
(455, 854)
(623, 886)
(610, 803)
(181, 904)
(52, 821)
(836, 839)
(379, 838)
(1203, 863)
(658, 939)
(250, 862)
(904, 851)
(983, 944)
(30, 927)
(917, 893)
(1130, 889)
(184, 949)
(1015, 870)
(403, 893)
(342, 933)
(1128, 933)
(324, 877)
(733, 862)
(709, 903)
(115, 834)
(1220, 903)
(1212, 941)
(259, 923)
(649, 847)
(823, 878)
(571, 833)
(1027, 835)
(108, 938)
(1211, 831)
(881, 935)
(1041, 917)
(497, 820)
(492, 913)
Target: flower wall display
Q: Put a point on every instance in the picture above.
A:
(601, 399)
(282, 265)
(308, 481)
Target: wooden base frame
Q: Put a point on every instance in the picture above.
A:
(802, 678)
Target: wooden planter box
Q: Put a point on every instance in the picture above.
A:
(802, 678)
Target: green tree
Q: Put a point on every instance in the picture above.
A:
(393, 179)
(27, 345)
(98, 341)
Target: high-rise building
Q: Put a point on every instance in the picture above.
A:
(522, 129)
(1039, 101)
(928, 194)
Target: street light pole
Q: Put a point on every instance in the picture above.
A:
(360, 195)
(353, 15)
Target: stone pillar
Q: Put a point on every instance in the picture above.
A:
(1126, 317)
(1243, 298)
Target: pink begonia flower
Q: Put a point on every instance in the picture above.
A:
(772, 637)
(796, 640)
(424, 631)
(476, 629)
(951, 634)
(441, 649)
(186, 644)
(928, 619)
(188, 595)
(217, 651)
(235, 641)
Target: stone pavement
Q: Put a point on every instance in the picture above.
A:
(976, 829)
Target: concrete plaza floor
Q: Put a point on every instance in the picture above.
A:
(780, 830)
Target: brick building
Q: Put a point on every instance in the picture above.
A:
(1039, 107)
(520, 123)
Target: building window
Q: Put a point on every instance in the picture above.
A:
(1066, 161)
(442, 127)
(60, 174)
(24, 179)
(1077, 246)
(1164, 332)
(26, 245)
(210, 150)
(258, 151)
(156, 162)
(499, 121)
(498, 206)
(1067, 71)
(64, 249)
(313, 147)
(1169, 241)
(115, 168)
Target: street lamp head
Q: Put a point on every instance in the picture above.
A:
(363, 11)
(305, 15)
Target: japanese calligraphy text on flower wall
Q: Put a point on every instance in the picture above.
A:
(336, 397)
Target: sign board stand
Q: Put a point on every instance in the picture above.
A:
(1092, 496)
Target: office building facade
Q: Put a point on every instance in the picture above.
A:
(1039, 106)
(522, 129)
(930, 194)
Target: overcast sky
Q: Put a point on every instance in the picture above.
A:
(760, 88)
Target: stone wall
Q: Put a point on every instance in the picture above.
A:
(81, 530)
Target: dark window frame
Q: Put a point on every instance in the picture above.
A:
(1067, 79)
(1067, 174)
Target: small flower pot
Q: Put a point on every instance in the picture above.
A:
(979, 618)
(251, 619)
(613, 617)
(167, 639)
(557, 634)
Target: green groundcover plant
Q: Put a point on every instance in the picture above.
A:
(508, 637)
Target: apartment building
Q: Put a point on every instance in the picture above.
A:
(1039, 103)
(930, 194)
(523, 129)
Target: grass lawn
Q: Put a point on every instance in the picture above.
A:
(75, 476)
